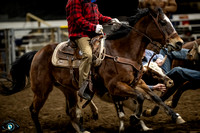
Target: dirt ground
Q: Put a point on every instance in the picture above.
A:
(54, 120)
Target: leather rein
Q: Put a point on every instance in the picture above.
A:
(135, 64)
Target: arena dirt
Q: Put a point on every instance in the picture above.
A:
(54, 119)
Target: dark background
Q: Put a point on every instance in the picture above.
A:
(15, 10)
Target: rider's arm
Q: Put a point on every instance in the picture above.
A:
(159, 87)
(104, 19)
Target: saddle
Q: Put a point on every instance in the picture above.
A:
(67, 54)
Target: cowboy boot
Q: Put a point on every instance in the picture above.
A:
(82, 93)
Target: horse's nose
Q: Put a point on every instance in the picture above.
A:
(170, 83)
(179, 44)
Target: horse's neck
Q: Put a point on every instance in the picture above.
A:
(140, 40)
(131, 46)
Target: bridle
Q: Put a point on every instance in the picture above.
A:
(134, 64)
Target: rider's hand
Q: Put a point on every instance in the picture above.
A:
(99, 28)
(159, 62)
(115, 21)
(159, 87)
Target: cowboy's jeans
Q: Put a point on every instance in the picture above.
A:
(84, 68)
(181, 55)
(179, 74)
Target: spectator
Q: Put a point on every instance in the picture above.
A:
(168, 6)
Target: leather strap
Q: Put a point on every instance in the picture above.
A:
(125, 61)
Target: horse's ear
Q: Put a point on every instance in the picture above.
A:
(153, 12)
(156, 11)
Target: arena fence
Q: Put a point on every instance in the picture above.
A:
(16, 42)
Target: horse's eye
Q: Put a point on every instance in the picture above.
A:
(163, 22)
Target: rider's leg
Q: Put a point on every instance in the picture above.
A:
(181, 55)
(84, 68)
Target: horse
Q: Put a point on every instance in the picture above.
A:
(20, 69)
(119, 73)
(152, 75)
(194, 53)
(193, 56)
(192, 62)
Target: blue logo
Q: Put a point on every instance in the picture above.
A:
(9, 125)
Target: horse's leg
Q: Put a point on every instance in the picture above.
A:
(175, 116)
(176, 97)
(188, 85)
(40, 96)
(125, 90)
(120, 113)
(73, 110)
(163, 97)
(94, 110)
(132, 105)
(135, 118)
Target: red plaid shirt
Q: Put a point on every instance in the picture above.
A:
(82, 17)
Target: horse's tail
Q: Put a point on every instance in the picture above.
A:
(19, 72)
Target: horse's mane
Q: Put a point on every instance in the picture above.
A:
(124, 28)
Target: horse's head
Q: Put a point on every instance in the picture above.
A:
(162, 30)
(194, 53)
(153, 74)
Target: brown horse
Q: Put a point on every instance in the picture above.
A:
(20, 72)
(193, 56)
(194, 53)
(152, 75)
(119, 73)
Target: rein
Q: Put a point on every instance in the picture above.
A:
(143, 34)
(135, 64)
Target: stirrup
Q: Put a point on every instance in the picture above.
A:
(85, 96)
(82, 93)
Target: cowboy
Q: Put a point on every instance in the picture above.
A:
(84, 21)
(178, 74)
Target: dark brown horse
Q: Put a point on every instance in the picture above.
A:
(119, 73)
(152, 75)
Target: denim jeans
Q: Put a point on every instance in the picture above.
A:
(179, 74)
(173, 55)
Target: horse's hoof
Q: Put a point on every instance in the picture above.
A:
(180, 120)
(121, 129)
(147, 129)
(95, 117)
(173, 105)
(86, 132)
(144, 127)
(147, 113)
(169, 103)
(134, 119)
